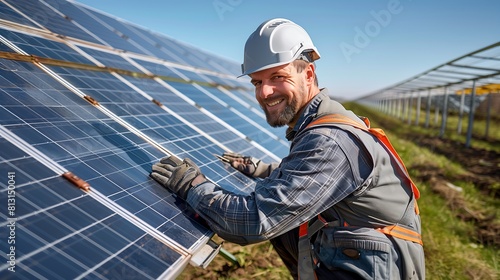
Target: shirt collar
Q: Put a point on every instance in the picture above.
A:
(308, 114)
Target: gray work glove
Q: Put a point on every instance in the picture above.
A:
(175, 175)
(249, 166)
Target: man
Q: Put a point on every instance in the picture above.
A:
(339, 206)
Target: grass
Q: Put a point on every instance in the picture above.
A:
(450, 252)
(451, 248)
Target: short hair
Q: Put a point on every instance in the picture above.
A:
(300, 65)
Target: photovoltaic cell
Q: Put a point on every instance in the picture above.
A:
(43, 47)
(83, 17)
(108, 125)
(109, 59)
(47, 17)
(6, 13)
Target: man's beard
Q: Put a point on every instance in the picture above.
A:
(284, 117)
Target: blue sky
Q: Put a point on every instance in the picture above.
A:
(364, 45)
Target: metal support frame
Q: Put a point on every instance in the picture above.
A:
(470, 126)
(417, 118)
(400, 107)
(428, 109)
(410, 101)
(436, 116)
(444, 118)
(461, 113)
(488, 115)
(480, 67)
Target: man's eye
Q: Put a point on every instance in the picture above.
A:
(256, 83)
(278, 78)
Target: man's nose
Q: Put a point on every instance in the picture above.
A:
(266, 90)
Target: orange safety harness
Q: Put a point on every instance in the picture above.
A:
(306, 231)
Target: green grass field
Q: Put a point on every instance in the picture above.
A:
(461, 227)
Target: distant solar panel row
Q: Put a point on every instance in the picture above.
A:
(59, 113)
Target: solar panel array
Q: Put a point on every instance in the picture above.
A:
(480, 68)
(456, 104)
(88, 102)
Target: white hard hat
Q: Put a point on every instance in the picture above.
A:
(277, 42)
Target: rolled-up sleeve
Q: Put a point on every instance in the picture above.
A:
(316, 174)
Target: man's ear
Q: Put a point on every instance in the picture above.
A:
(310, 73)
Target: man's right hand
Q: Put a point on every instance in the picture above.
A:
(245, 164)
(249, 166)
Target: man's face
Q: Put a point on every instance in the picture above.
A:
(281, 92)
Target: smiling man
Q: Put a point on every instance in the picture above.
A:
(341, 204)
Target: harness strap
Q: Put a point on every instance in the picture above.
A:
(402, 233)
(307, 261)
(377, 132)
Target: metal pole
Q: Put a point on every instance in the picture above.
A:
(488, 115)
(400, 107)
(436, 115)
(428, 109)
(394, 107)
(461, 112)
(417, 120)
(410, 101)
(389, 106)
(471, 114)
(445, 113)
(405, 108)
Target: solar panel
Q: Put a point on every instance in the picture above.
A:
(62, 232)
(88, 103)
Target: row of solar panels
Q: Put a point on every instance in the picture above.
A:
(455, 103)
(84, 92)
(479, 69)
